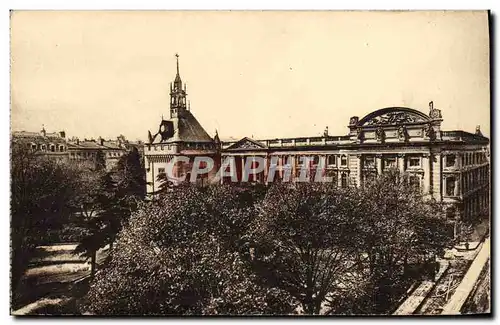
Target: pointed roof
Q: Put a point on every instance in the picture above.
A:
(178, 80)
(186, 129)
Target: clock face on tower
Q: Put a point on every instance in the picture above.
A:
(166, 130)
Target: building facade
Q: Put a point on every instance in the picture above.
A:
(56, 146)
(179, 136)
(93, 150)
(449, 166)
(52, 145)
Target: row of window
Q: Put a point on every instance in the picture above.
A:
(468, 159)
(474, 178)
(88, 154)
(197, 146)
(43, 147)
(391, 162)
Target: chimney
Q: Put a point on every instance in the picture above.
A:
(77, 141)
(101, 141)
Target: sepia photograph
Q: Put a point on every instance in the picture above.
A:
(250, 163)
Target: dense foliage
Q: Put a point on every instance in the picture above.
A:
(113, 196)
(228, 249)
(180, 256)
(290, 248)
(41, 192)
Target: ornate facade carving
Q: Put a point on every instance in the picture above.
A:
(353, 120)
(380, 134)
(360, 135)
(402, 133)
(429, 132)
(392, 118)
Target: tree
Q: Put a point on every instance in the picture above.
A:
(305, 242)
(106, 223)
(131, 179)
(402, 232)
(180, 255)
(99, 160)
(41, 190)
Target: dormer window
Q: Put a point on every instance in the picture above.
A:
(52, 148)
(33, 146)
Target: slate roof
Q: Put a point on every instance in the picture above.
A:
(186, 129)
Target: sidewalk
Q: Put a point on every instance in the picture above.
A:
(411, 303)
(461, 294)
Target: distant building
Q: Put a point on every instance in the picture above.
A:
(57, 146)
(89, 150)
(52, 145)
(449, 166)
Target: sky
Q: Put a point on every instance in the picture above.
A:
(255, 74)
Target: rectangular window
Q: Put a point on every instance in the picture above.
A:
(450, 160)
(332, 160)
(344, 180)
(343, 161)
(369, 162)
(414, 162)
(161, 171)
(390, 163)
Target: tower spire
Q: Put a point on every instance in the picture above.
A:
(177, 94)
(177, 57)
(177, 81)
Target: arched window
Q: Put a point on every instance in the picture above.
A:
(450, 160)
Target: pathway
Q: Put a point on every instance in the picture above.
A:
(456, 302)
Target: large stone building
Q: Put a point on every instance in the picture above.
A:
(56, 146)
(450, 166)
(89, 150)
(179, 136)
(52, 145)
